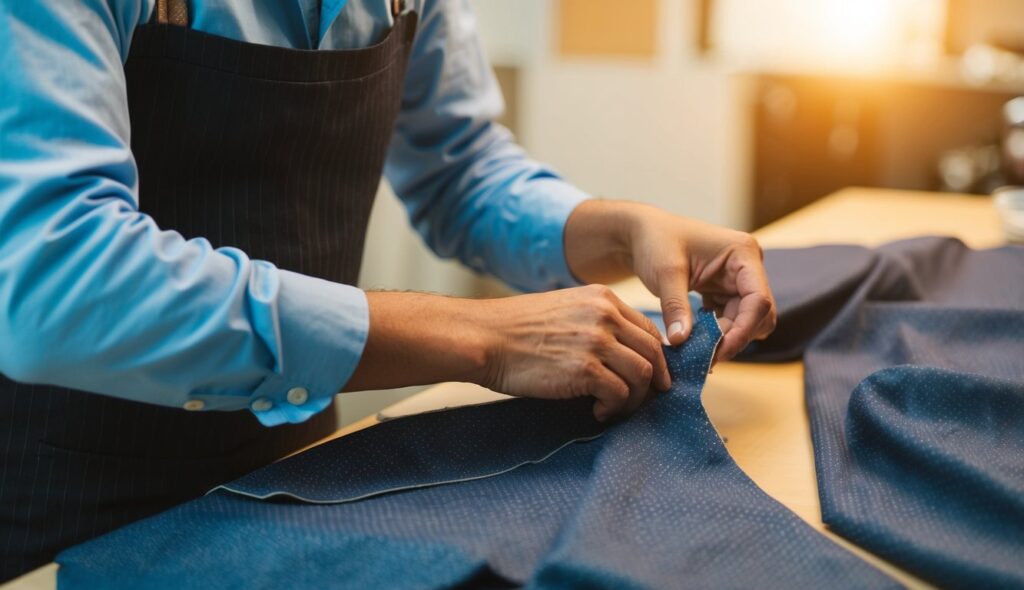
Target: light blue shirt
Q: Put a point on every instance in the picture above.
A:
(95, 296)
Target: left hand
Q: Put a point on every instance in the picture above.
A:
(606, 241)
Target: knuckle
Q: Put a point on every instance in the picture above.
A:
(590, 368)
(748, 241)
(603, 309)
(674, 303)
(599, 291)
(762, 304)
(651, 329)
(619, 392)
(645, 371)
(653, 349)
(607, 307)
(595, 340)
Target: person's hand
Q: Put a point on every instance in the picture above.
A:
(574, 343)
(570, 343)
(583, 341)
(672, 255)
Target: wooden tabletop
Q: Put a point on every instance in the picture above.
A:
(757, 408)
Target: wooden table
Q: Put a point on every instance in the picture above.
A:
(759, 409)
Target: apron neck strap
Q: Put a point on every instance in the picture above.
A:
(171, 12)
(175, 12)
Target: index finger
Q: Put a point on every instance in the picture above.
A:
(753, 309)
(641, 320)
(652, 353)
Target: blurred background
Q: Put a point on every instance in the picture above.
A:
(737, 111)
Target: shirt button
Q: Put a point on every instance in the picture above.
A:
(298, 396)
(194, 405)
(261, 404)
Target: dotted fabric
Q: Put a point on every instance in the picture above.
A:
(359, 466)
(656, 502)
(914, 376)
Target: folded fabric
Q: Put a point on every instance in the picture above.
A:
(914, 371)
(514, 493)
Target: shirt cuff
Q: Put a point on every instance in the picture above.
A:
(323, 326)
(555, 201)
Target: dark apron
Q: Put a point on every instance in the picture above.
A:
(275, 151)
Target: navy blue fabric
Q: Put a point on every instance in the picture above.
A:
(914, 375)
(359, 466)
(654, 502)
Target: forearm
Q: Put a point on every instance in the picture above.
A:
(568, 343)
(470, 191)
(492, 208)
(421, 338)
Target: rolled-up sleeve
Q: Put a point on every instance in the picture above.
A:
(470, 191)
(94, 295)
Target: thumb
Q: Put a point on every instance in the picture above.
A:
(675, 306)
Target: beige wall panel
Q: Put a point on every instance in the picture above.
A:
(607, 28)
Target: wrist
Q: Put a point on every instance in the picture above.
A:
(481, 347)
(599, 238)
(421, 338)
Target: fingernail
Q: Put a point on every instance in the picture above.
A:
(675, 328)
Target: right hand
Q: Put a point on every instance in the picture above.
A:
(573, 343)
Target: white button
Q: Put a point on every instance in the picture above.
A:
(194, 405)
(261, 405)
(298, 396)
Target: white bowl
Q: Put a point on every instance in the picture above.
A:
(1010, 204)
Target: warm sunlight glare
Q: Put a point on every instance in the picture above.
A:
(868, 35)
(857, 28)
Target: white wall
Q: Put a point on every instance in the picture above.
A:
(670, 131)
(623, 131)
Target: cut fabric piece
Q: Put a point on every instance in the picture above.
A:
(656, 502)
(358, 466)
(915, 389)
(667, 507)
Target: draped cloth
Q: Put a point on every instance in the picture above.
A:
(515, 493)
(914, 370)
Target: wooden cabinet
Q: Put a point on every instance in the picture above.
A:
(815, 134)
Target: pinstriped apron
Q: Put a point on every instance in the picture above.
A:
(274, 151)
